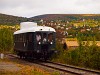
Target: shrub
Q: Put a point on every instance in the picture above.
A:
(86, 55)
(6, 40)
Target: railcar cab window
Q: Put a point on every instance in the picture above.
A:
(44, 38)
(50, 37)
(38, 38)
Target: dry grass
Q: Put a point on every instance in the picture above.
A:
(24, 69)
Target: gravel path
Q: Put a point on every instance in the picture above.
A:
(9, 66)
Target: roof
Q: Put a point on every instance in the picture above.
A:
(75, 43)
(72, 43)
(25, 25)
(34, 29)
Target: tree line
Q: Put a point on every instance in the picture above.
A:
(11, 20)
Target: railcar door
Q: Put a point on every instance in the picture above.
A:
(47, 44)
(30, 41)
(44, 45)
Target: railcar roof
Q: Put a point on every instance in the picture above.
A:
(34, 29)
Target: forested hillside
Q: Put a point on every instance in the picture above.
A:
(15, 20)
(11, 20)
(68, 17)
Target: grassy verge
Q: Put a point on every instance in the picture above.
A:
(25, 70)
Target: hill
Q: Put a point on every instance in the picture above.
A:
(11, 20)
(66, 17)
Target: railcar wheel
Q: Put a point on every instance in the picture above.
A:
(20, 56)
(45, 58)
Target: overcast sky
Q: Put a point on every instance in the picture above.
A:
(30, 8)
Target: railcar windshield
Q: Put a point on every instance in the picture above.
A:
(44, 37)
(50, 37)
(38, 37)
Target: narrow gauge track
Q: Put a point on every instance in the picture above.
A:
(65, 68)
(70, 69)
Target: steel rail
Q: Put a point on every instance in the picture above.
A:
(43, 63)
(84, 69)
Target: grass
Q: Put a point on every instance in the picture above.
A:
(25, 69)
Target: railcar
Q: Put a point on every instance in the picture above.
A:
(33, 41)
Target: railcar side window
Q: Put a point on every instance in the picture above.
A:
(30, 37)
(20, 37)
(24, 38)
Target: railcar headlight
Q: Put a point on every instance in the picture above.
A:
(56, 51)
(39, 42)
(51, 42)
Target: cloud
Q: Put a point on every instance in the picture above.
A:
(30, 8)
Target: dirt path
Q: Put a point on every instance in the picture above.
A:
(9, 66)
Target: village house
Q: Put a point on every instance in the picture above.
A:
(74, 44)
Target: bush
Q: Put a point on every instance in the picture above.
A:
(85, 55)
(6, 40)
